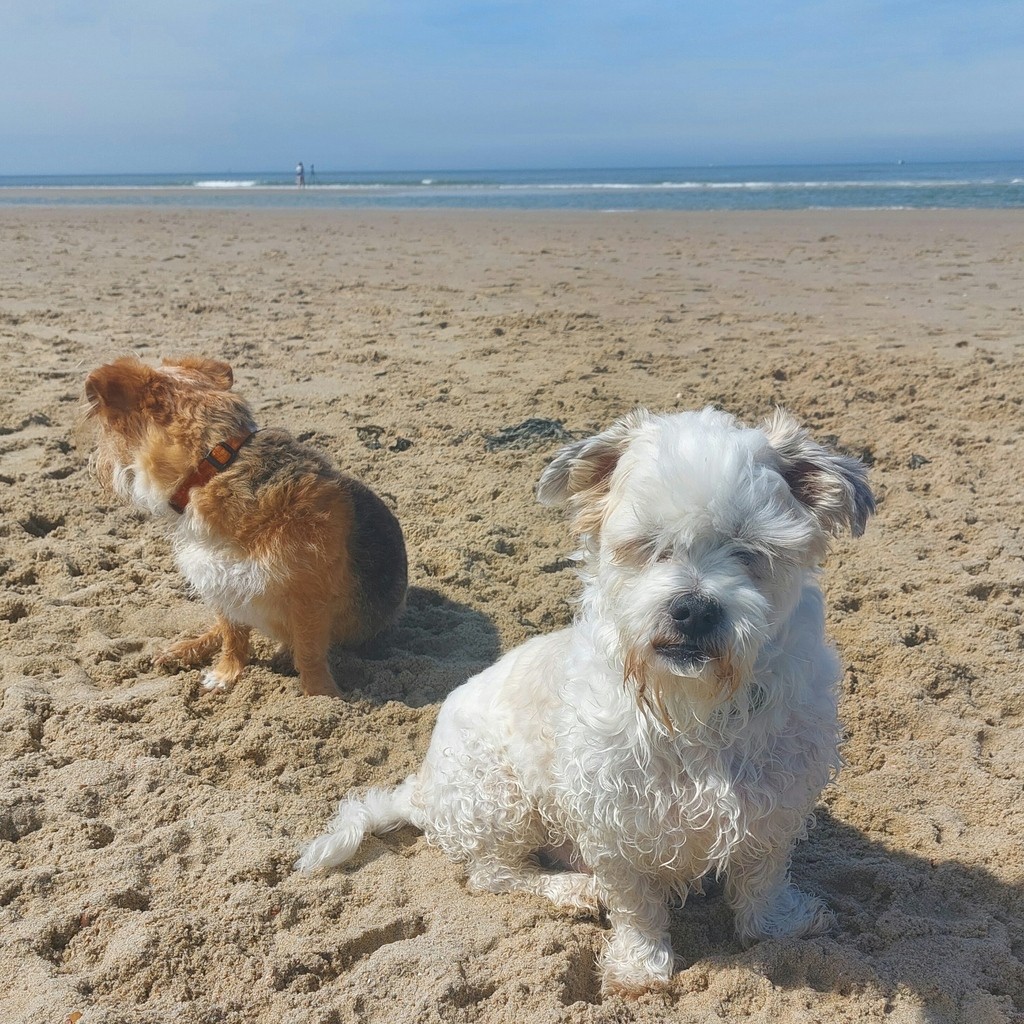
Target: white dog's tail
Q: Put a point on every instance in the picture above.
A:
(376, 811)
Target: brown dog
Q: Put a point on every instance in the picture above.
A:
(264, 528)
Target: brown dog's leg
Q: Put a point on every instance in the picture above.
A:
(192, 651)
(309, 643)
(234, 656)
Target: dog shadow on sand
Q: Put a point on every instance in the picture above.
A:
(949, 935)
(435, 646)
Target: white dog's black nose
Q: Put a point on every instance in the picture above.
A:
(695, 615)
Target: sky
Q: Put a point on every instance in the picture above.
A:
(135, 86)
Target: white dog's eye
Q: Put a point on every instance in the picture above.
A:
(636, 552)
(754, 560)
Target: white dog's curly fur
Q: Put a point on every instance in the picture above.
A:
(685, 723)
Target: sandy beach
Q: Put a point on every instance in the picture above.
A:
(147, 830)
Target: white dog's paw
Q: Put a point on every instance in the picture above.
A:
(791, 914)
(634, 963)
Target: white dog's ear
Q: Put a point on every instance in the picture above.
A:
(580, 473)
(833, 486)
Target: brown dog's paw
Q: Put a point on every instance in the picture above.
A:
(318, 684)
(321, 690)
(216, 680)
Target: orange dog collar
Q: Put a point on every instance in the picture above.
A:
(215, 461)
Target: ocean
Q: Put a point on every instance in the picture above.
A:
(778, 187)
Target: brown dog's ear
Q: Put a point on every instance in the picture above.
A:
(579, 475)
(118, 387)
(213, 371)
(833, 487)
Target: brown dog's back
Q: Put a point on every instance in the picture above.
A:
(378, 559)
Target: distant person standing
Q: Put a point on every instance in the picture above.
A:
(312, 174)
(300, 175)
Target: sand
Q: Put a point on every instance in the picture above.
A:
(147, 830)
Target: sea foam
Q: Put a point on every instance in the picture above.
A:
(223, 184)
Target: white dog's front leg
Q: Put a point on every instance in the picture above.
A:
(568, 889)
(639, 952)
(766, 902)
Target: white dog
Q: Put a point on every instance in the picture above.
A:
(685, 723)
